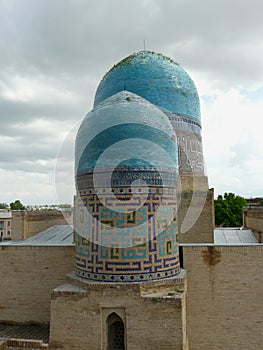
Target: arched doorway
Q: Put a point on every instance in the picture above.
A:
(116, 338)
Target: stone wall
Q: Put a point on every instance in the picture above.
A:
(253, 219)
(225, 288)
(27, 275)
(25, 223)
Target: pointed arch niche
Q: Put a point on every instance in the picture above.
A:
(113, 328)
(115, 332)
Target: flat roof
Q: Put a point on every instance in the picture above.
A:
(52, 236)
(58, 235)
(32, 331)
(229, 236)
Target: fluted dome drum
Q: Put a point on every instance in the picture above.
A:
(126, 178)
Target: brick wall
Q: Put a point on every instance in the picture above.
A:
(196, 217)
(27, 275)
(224, 296)
(224, 301)
(18, 225)
(253, 219)
(151, 322)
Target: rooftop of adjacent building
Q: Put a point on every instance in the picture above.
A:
(53, 236)
(31, 331)
(254, 201)
(233, 236)
(63, 235)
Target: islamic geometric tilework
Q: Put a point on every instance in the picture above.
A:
(124, 236)
(190, 149)
(190, 154)
(121, 178)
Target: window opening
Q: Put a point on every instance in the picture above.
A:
(116, 330)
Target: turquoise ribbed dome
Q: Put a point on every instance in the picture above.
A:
(126, 163)
(157, 79)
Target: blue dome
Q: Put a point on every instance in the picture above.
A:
(126, 165)
(131, 130)
(157, 79)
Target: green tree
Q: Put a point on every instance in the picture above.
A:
(17, 205)
(3, 206)
(228, 210)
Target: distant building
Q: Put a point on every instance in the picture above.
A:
(28, 223)
(255, 201)
(5, 225)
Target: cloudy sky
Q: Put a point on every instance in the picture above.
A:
(54, 53)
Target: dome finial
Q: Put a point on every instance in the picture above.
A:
(144, 45)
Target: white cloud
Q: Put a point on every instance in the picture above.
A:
(36, 90)
(54, 53)
(233, 143)
(30, 188)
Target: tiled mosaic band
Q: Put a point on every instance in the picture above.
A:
(128, 278)
(125, 176)
(139, 245)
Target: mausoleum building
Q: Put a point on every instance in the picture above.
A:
(138, 158)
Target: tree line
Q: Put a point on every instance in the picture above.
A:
(228, 210)
(16, 205)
